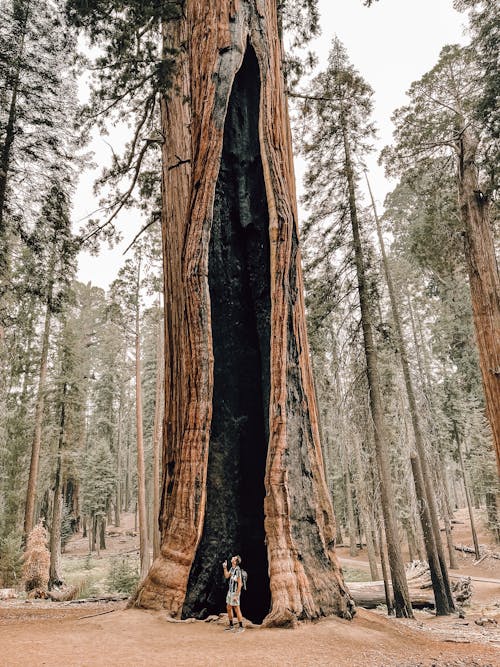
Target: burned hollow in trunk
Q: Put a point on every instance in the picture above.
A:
(239, 282)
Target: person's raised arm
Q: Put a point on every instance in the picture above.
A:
(227, 574)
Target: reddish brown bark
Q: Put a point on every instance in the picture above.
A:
(484, 278)
(303, 577)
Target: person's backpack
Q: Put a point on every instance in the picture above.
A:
(244, 577)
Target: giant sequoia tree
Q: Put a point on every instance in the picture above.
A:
(243, 469)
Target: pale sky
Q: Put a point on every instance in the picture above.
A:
(391, 44)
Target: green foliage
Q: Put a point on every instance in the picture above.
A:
(10, 560)
(45, 99)
(98, 479)
(123, 575)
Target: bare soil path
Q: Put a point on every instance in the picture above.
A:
(135, 638)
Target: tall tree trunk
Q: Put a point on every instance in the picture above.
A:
(243, 469)
(467, 492)
(440, 595)
(351, 522)
(141, 473)
(484, 279)
(57, 506)
(157, 430)
(363, 506)
(389, 600)
(427, 496)
(402, 602)
(29, 512)
(118, 494)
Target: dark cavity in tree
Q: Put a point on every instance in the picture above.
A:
(239, 281)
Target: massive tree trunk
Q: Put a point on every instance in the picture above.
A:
(243, 470)
(484, 278)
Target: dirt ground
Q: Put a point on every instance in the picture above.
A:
(35, 633)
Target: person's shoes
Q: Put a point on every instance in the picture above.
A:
(240, 630)
(229, 628)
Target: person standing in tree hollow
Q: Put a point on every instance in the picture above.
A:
(233, 594)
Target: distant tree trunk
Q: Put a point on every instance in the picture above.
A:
(243, 469)
(402, 602)
(389, 599)
(29, 512)
(102, 532)
(442, 604)
(363, 507)
(351, 523)
(492, 505)
(118, 495)
(57, 506)
(157, 431)
(484, 278)
(444, 598)
(467, 492)
(141, 474)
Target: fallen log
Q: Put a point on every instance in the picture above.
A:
(104, 598)
(371, 594)
(484, 552)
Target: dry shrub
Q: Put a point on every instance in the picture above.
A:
(36, 560)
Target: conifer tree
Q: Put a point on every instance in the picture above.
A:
(340, 102)
(440, 122)
(54, 248)
(36, 107)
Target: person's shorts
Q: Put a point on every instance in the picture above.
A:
(233, 599)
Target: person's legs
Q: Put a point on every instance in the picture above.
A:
(230, 616)
(239, 616)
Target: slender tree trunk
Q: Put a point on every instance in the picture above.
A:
(37, 433)
(141, 474)
(57, 507)
(389, 600)
(402, 602)
(484, 279)
(427, 495)
(234, 300)
(363, 506)
(467, 493)
(118, 495)
(102, 533)
(449, 542)
(351, 523)
(442, 606)
(157, 430)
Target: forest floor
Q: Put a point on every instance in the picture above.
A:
(105, 634)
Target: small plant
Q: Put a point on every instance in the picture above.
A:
(36, 560)
(123, 576)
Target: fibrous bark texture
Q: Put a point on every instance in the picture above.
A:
(484, 278)
(243, 471)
